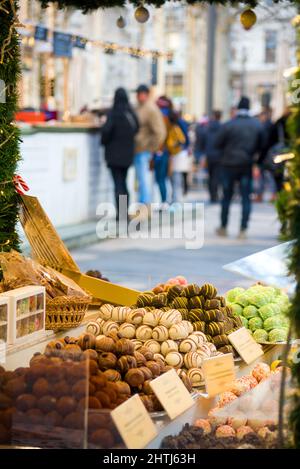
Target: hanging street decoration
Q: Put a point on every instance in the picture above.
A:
(141, 14)
(248, 19)
(121, 23)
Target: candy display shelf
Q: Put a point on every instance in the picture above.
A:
(20, 355)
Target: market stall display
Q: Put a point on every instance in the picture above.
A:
(244, 417)
(163, 332)
(66, 302)
(263, 310)
(200, 305)
(26, 313)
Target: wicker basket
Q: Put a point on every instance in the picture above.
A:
(65, 312)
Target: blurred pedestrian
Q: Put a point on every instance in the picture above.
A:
(279, 141)
(150, 137)
(265, 118)
(183, 124)
(212, 154)
(238, 140)
(161, 156)
(199, 136)
(117, 136)
(179, 161)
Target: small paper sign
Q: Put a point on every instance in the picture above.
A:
(245, 345)
(172, 393)
(218, 373)
(134, 423)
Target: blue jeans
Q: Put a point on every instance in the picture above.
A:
(161, 173)
(141, 163)
(231, 175)
(177, 186)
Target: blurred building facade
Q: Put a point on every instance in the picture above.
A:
(251, 62)
(260, 59)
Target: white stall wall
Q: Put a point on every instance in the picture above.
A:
(66, 170)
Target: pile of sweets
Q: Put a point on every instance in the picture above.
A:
(263, 310)
(52, 394)
(204, 437)
(251, 406)
(202, 306)
(120, 362)
(169, 338)
(245, 417)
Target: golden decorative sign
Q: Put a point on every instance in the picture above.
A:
(49, 250)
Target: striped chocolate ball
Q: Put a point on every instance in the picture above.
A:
(184, 313)
(174, 291)
(212, 304)
(153, 345)
(180, 303)
(135, 316)
(213, 315)
(196, 302)
(105, 311)
(168, 346)
(188, 345)
(159, 300)
(196, 376)
(195, 314)
(222, 300)
(174, 359)
(127, 330)
(170, 317)
(215, 328)
(144, 299)
(192, 360)
(160, 333)
(208, 290)
(220, 340)
(143, 333)
(199, 326)
(94, 328)
(191, 290)
(226, 349)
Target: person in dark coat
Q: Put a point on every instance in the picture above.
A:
(279, 139)
(213, 154)
(238, 140)
(117, 136)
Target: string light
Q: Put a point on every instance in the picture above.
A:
(105, 45)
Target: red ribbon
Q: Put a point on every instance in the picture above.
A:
(20, 184)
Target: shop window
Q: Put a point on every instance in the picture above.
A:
(270, 46)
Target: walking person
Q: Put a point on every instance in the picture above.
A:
(150, 137)
(179, 162)
(238, 140)
(212, 154)
(117, 136)
(161, 156)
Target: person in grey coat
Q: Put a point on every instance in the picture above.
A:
(238, 141)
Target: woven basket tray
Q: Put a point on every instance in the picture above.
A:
(65, 312)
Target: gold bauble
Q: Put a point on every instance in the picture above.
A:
(141, 14)
(121, 23)
(248, 19)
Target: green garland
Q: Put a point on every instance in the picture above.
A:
(89, 5)
(9, 133)
(291, 219)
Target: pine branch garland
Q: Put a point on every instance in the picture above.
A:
(9, 133)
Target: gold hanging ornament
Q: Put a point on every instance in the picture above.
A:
(248, 19)
(141, 14)
(121, 23)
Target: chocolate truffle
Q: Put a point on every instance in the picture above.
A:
(102, 437)
(46, 403)
(25, 402)
(105, 344)
(65, 405)
(134, 377)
